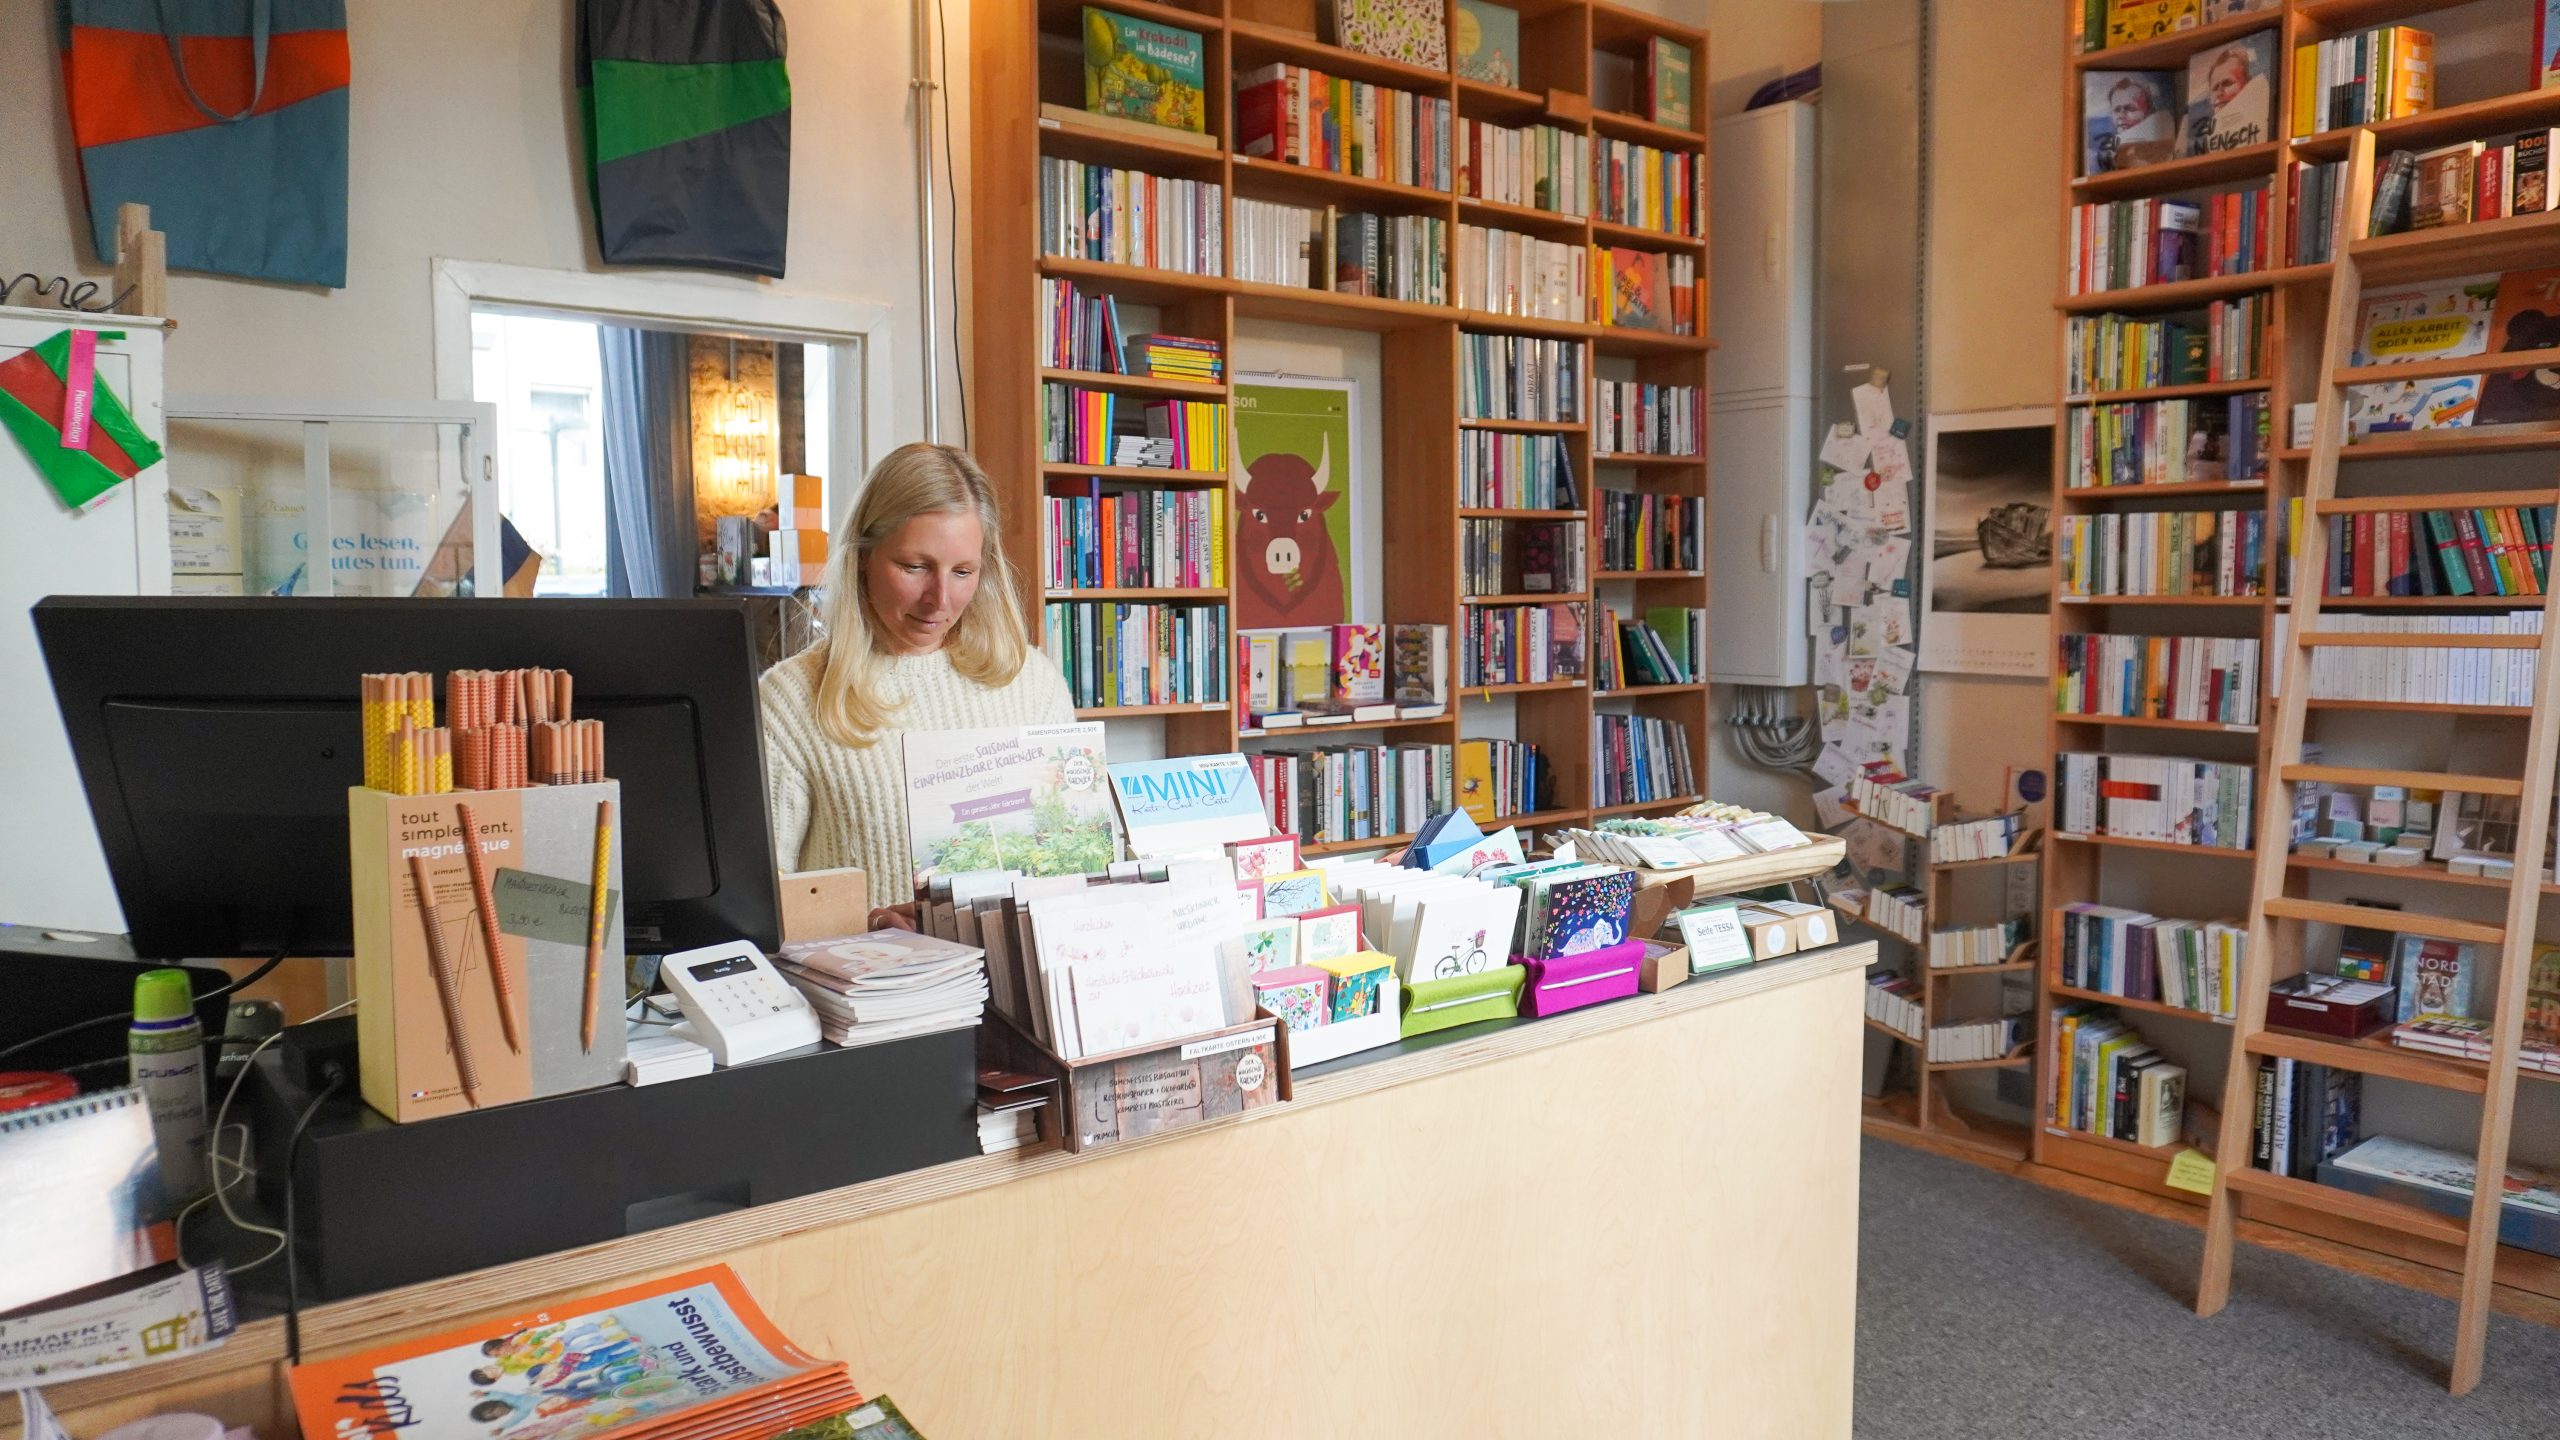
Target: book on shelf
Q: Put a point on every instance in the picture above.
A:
(1638, 289)
(1649, 188)
(1128, 654)
(2109, 1080)
(1636, 759)
(2436, 978)
(2470, 1040)
(1412, 32)
(1418, 658)
(2123, 244)
(2440, 192)
(2393, 174)
(1143, 70)
(1661, 648)
(1137, 538)
(1176, 357)
(1359, 663)
(2190, 964)
(2231, 90)
(2163, 552)
(2167, 442)
(1292, 115)
(1502, 778)
(1519, 377)
(1079, 331)
(1115, 125)
(2452, 185)
(1540, 167)
(1893, 1001)
(1523, 557)
(2311, 226)
(1278, 244)
(1664, 82)
(2304, 1115)
(2542, 68)
(1503, 272)
(1129, 217)
(1980, 837)
(2167, 799)
(2383, 73)
(1503, 471)
(2128, 118)
(2469, 552)
(2201, 678)
(1521, 645)
(1390, 257)
(1488, 43)
(2525, 317)
(2127, 352)
(2442, 1180)
(1968, 947)
(1960, 1041)
(1900, 911)
(1644, 530)
(1324, 674)
(1632, 417)
(1099, 427)
(1885, 795)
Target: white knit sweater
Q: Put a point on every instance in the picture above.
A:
(835, 805)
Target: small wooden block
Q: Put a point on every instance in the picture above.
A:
(825, 904)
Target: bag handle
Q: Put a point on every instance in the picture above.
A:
(261, 22)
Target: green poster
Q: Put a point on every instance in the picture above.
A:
(1293, 543)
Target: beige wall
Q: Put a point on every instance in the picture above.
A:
(464, 146)
(1994, 244)
(1750, 43)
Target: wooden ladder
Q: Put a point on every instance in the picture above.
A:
(2275, 934)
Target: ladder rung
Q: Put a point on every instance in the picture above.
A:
(2406, 779)
(2398, 922)
(2467, 500)
(2481, 363)
(2390, 1061)
(2347, 1204)
(2402, 640)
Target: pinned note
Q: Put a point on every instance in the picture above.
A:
(2191, 1170)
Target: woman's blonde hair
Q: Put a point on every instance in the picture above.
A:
(986, 644)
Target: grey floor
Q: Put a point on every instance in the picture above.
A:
(1990, 1308)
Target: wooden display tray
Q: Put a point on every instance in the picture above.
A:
(1663, 893)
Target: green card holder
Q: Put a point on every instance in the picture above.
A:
(1462, 999)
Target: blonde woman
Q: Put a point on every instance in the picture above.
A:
(923, 633)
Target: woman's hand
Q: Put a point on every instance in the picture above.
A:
(898, 917)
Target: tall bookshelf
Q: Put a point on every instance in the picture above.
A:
(2176, 881)
(1027, 54)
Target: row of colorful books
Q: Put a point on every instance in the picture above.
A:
(1313, 673)
(2383, 73)
(1638, 289)
(1664, 646)
(2171, 799)
(1138, 654)
(1335, 794)
(1176, 357)
(2476, 551)
(1634, 417)
(1521, 645)
(2428, 675)
(1980, 837)
(2311, 217)
(1100, 427)
(1650, 188)
(2203, 678)
(1893, 1001)
(1499, 470)
(1645, 530)
(2163, 552)
(2470, 180)
(1299, 116)
(2191, 964)
(1079, 331)
(1538, 166)
(1970, 947)
(2109, 1080)
(1129, 217)
(1391, 257)
(2122, 244)
(2303, 1115)
(1521, 557)
(2128, 352)
(2166, 442)
(1638, 759)
(1145, 538)
(1503, 272)
(1519, 377)
(2461, 315)
(1889, 797)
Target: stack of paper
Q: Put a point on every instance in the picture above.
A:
(650, 1055)
(888, 985)
(1009, 1104)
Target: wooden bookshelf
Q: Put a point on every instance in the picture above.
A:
(1027, 53)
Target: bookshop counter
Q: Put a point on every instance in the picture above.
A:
(1634, 1219)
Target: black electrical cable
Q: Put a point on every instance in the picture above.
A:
(264, 969)
(292, 1272)
(951, 183)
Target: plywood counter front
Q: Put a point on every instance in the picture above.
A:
(1634, 1220)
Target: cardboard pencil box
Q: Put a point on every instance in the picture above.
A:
(537, 854)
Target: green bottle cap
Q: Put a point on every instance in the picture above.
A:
(162, 995)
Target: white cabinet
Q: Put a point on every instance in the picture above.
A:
(1760, 413)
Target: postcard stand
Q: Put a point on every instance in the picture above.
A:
(1462, 999)
(1569, 982)
(1155, 1088)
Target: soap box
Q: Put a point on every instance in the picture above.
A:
(538, 850)
(1772, 932)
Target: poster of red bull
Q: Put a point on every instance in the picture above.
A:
(1297, 466)
(691, 1353)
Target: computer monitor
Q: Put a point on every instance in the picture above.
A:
(216, 739)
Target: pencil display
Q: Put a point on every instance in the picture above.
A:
(503, 730)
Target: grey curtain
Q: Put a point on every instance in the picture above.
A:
(647, 419)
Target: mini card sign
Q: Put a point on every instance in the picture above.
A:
(1187, 804)
(1032, 799)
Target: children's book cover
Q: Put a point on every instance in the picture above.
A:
(1143, 70)
(1665, 82)
(1640, 296)
(1588, 913)
(1035, 799)
(2435, 977)
(2131, 20)
(1359, 664)
(2525, 317)
(1488, 43)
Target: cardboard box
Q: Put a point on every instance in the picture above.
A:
(808, 548)
(1666, 963)
(538, 851)
(800, 492)
(1129, 1094)
(1772, 932)
(1811, 926)
(204, 530)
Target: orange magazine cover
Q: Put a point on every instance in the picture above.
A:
(663, 1356)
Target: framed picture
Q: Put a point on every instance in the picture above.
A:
(1986, 585)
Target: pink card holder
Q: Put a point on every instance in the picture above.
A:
(1569, 982)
